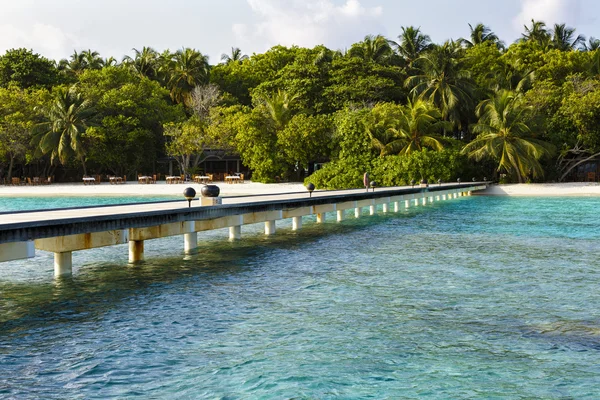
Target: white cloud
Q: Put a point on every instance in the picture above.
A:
(307, 23)
(549, 11)
(45, 39)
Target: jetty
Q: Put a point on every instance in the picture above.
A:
(63, 231)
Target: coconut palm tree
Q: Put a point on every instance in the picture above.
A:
(187, 69)
(563, 38)
(372, 48)
(61, 135)
(144, 63)
(278, 107)
(592, 44)
(92, 59)
(537, 33)
(444, 82)
(402, 130)
(235, 56)
(505, 137)
(481, 34)
(411, 44)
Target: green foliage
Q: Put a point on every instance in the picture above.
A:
(25, 69)
(306, 139)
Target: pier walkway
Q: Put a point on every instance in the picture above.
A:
(63, 231)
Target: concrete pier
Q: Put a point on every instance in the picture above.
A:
(66, 230)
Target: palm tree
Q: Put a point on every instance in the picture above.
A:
(506, 138)
(592, 44)
(236, 56)
(403, 130)
(278, 107)
(189, 68)
(536, 34)
(92, 59)
(61, 135)
(144, 63)
(110, 62)
(372, 48)
(77, 63)
(481, 34)
(444, 82)
(411, 43)
(563, 38)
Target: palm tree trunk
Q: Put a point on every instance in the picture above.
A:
(82, 159)
(10, 168)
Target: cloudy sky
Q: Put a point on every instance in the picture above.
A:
(54, 28)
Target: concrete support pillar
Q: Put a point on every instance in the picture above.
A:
(406, 203)
(320, 218)
(386, 207)
(416, 202)
(444, 197)
(340, 215)
(424, 200)
(235, 232)
(63, 264)
(397, 206)
(456, 195)
(372, 209)
(190, 239)
(357, 212)
(469, 193)
(437, 198)
(136, 251)
(269, 227)
(296, 223)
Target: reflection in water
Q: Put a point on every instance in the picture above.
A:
(480, 297)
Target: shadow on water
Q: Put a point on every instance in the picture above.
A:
(98, 287)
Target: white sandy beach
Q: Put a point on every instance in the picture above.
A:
(250, 188)
(544, 189)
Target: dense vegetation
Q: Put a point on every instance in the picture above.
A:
(400, 110)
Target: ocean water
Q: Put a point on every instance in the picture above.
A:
(45, 203)
(472, 298)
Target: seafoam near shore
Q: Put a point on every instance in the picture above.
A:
(544, 189)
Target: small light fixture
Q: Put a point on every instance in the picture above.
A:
(189, 194)
(373, 184)
(310, 187)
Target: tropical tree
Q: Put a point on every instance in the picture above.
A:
(444, 82)
(537, 33)
(505, 137)
(412, 43)
(188, 69)
(593, 44)
(401, 130)
(61, 135)
(144, 63)
(92, 59)
(235, 56)
(25, 69)
(372, 48)
(481, 34)
(563, 38)
(277, 106)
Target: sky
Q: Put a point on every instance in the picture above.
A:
(55, 28)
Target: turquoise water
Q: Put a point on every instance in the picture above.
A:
(473, 298)
(45, 203)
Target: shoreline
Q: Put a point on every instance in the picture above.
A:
(252, 188)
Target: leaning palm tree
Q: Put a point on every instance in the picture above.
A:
(372, 48)
(61, 135)
(444, 82)
(411, 43)
(481, 34)
(563, 38)
(505, 137)
(235, 56)
(537, 33)
(189, 69)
